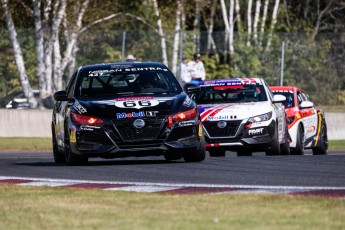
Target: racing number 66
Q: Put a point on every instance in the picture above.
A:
(130, 104)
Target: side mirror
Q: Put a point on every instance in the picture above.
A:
(60, 96)
(191, 88)
(278, 98)
(306, 105)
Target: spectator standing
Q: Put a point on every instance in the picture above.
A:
(183, 70)
(130, 58)
(197, 69)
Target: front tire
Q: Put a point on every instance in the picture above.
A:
(299, 149)
(196, 155)
(275, 146)
(285, 147)
(71, 158)
(322, 147)
(59, 157)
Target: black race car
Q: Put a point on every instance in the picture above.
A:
(122, 110)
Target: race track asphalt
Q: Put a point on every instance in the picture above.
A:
(257, 170)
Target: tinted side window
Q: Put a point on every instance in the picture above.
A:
(71, 85)
(300, 97)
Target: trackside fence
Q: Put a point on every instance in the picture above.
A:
(37, 123)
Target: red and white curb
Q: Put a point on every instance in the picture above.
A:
(338, 192)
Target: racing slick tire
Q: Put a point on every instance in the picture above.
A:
(299, 149)
(322, 147)
(59, 157)
(71, 158)
(217, 153)
(196, 155)
(275, 146)
(285, 147)
(172, 156)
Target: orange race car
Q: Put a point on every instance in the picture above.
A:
(306, 122)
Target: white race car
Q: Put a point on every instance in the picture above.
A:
(242, 115)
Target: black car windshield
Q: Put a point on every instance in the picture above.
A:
(231, 94)
(289, 99)
(109, 83)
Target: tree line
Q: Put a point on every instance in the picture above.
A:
(236, 37)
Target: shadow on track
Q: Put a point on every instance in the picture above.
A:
(100, 162)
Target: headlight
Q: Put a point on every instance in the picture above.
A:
(260, 118)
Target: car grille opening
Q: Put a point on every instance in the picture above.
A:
(151, 130)
(229, 131)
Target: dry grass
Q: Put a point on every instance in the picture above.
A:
(61, 208)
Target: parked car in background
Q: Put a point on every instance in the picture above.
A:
(306, 122)
(122, 110)
(19, 101)
(242, 115)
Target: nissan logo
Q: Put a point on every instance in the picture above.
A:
(139, 123)
(221, 124)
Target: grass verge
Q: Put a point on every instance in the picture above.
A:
(45, 144)
(38, 208)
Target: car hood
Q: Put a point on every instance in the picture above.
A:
(133, 106)
(233, 111)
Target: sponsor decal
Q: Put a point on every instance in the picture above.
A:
(282, 91)
(73, 136)
(79, 108)
(139, 123)
(130, 115)
(89, 128)
(123, 68)
(221, 117)
(311, 129)
(187, 123)
(136, 104)
(151, 113)
(187, 102)
(258, 131)
(248, 81)
(200, 130)
(133, 98)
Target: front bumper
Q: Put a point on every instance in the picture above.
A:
(238, 137)
(121, 139)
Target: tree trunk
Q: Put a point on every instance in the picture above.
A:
(196, 26)
(263, 20)
(24, 81)
(249, 21)
(39, 31)
(176, 37)
(210, 41)
(231, 27)
(256, 19)
(273, 23)
(238, 16)
(226, 24)
(161, 33)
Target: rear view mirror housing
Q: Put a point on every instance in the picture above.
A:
(191, 88)
(61, 96)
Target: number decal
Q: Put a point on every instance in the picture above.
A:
(136, 104)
